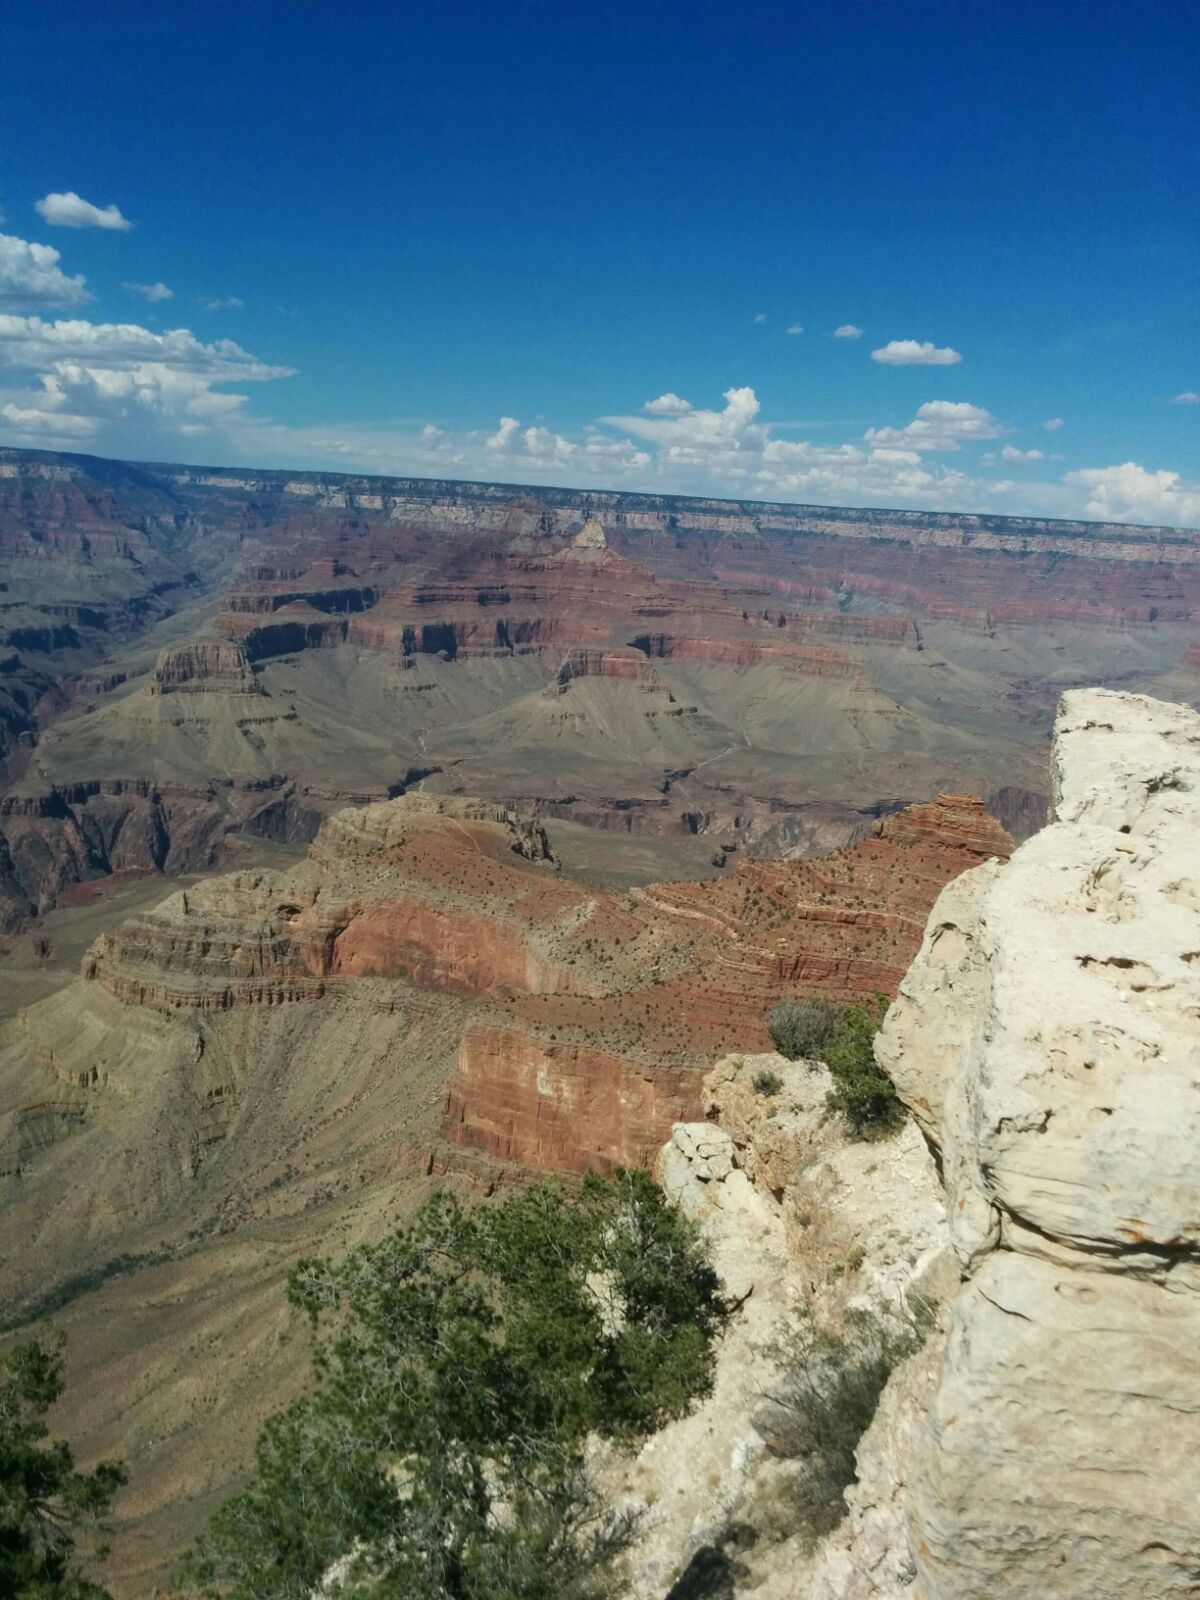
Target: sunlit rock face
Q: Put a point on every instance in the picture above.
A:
(1048, 1040)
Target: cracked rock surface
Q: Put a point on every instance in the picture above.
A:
(1048, 1041)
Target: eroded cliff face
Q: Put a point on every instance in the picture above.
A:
(277, 1062)
(1042, 1203)
(258, 649)
(1047, 1039)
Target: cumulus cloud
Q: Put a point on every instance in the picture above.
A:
(761, 317)
(540, 448)
(668, 405)
(70, 210)
(1189, 397)
(505, 435)
(228, 302)
(153, 292)
(796, 327)
(1051, 424)
(912, 353)
(847, 331)
(1011, 453)
(34, 420)
(35, 343)
(1130, 493)
(939, 425)
(850, 474)
(729, 429)
(120, 380)
(31, 276)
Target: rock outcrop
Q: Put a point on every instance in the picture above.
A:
(1047, 1040)
(215, 666)
(800, 1223)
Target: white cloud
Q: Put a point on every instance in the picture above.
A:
(701, 439)
(847, 331)
(1051, 424)
(229, 302)
(1011, 453)
(31, 276)
(70, 210)
(796, 327)
(1189, 397)
(30, 420)
(153, 292)
(120, 381)
(910, 353)
(849, 475)
(668, 405)
(505, 435)
(1130, 493)
(541, 448)
(35, 343)
(761, 317)
(939, 425)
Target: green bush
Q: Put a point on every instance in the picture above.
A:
(459, 1366)
(44, 1502)
(801, 1029)
(767, 1083)
(824, 1402)
(843, 1037)
(862, 1090)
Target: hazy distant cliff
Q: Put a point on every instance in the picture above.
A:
(192, 653)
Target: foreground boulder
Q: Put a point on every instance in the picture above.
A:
(1047, 1039)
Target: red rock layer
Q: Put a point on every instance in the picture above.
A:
(594, 1013)
(563, 1106)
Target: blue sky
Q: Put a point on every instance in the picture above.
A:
(487, 239)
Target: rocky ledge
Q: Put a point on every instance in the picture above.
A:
(1047, 1039)
(1041, 1443)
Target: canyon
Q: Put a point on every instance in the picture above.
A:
(364, 835)
(192, 657)
(277, 1060)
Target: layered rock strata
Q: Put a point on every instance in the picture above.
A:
(646, 664)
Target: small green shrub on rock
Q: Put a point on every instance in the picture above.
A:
(843, 1037)
(862, 1090)
(767, 1082)
(801, 1029)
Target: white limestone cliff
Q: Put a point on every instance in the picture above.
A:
(1047, 1039)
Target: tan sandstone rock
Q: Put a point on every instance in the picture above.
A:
(1048, 1037)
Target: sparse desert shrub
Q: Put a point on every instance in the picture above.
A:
(824, 1402)
(862, 1090)
(767, 1082)
(460, 1365)
(800, 1029)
